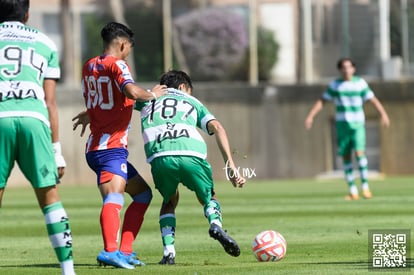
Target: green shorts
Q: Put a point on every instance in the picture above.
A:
(27, 141)
(192, 172)
(350, 138)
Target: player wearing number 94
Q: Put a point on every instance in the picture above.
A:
(29, 68)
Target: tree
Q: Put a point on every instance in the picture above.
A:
(213, 41)
(67, 61)
(116, 11)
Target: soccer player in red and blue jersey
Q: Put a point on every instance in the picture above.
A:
(110, 93)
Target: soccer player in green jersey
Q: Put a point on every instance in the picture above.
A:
(177, 153)
(29, 68)
(349, 94)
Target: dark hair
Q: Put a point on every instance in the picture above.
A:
(342, 60)
(114, 30)
(13, 10)
(174, 78)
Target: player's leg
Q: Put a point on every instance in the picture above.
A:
(167, 226)
(345, 145)
(113, 201)
(349, 177)
(7, 151)
(141, 195)
(363, 170)
(1, 195)
(212, 209)
(196, 174)
(111, 169)
(165, 172)
(58, 226)
(37, 162)
(359, 142)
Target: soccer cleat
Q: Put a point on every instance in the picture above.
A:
(352, 197)
(229, 245)
(132, 259)
(115, 258)
(169, 260)
(366, 194)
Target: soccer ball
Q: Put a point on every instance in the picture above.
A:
(269, 246)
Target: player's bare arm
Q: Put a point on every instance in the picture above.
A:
(49, 86)
(215, 127)
(385, 121)
(135, 92)
(81, 119)
(317, 107)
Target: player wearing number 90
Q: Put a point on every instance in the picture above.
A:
(29, 68)
(110, 93)
(177, 153)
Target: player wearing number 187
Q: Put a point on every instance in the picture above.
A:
(110, 93)
(177, 153)
(29, 68)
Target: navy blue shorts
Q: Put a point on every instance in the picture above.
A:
(109, 162)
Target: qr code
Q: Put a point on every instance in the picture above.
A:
(389, 248)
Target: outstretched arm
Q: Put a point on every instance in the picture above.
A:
(215, 127)
(135, 92)
(385, 121)
(317, 107)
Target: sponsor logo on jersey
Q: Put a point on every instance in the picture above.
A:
(172, 133)
(17, 37)
(124, 68)
(15, 92)
(124, 168)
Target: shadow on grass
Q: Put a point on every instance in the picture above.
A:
(355, 264)
(366, 264)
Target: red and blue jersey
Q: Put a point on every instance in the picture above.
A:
(103, 80)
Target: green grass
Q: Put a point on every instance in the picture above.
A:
(325, 233)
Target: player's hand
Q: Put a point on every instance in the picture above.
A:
(385, 121)
(60, 161)
(308, 123)
(61, 172)
(235, 178)
(81, 119)
(159, 90)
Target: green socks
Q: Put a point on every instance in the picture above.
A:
(58, 229)
(212, 211)
(167, 226)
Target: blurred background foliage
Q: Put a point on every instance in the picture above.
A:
(213, 42)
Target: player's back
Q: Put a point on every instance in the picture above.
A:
(169, 125)
(109, 110)
(27, 56)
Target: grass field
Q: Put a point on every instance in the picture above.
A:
(325, 233)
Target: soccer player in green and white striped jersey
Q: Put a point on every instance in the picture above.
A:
(177, 153)
(29, 68)
(349, 94)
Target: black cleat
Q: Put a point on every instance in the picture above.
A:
(169, 259)
(229, 245)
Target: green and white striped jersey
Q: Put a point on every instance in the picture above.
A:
(27, 57)
(169, 125)
(349, 97)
